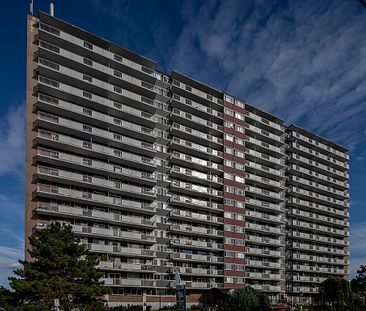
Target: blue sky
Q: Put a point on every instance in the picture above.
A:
(302, 60)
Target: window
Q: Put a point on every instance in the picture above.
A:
(117, 89)
(87, 61)
(50, 47)
(88, 45)
(87, 111)
(87, 95)
(48, 99)
(50, 82)
(49, 64)
(87, 78)
(117, 74)
(49, 29)
(118, 58)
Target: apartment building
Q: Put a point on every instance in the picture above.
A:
(159, 173)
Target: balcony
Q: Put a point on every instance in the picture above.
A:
(262, 252)
(128, 282)
(318, 218)
(202, 191)
(316, 248)
(316, 269)
(196, 217)
(259, 192)
(190, 161)
(184, 243)
(202, 111)
(264, 264)
(199, 137)
(265, 135)
(55, 123)
(121, 266)
(311, 186)
(320, 146)
(261, 276)
(267, 288)
(54, 192)
(179, 87)
(320, 157)
(76, 94)
(113, 234)
(106, 121)
(195, 176)
(316, 196)
(99, 52)
(264, 228)
(186, 146)
(120, 251)
(256, 168)
(193, 230)
(316, 227)
(262, 146)
(342, 185)
(103, 75)
(263, 216)
(331, 211)
(202, 124)
(197, 271)
(199, 258)
(314, 165)
(274, 185)
(94, 166)
(263, 122)
(319, 259)
(265, 159)
(55, 140)
(69, 178)
(252, 239)
(317, 238)
(304, 289)
(264, 205)
(65, 211)
(193, 203)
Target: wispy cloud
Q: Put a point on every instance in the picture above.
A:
(9, 257)
(304, 61)
(12, 141)
(357, 247)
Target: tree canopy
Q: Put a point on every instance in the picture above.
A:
(61, 268)
(335, 293)
(248, 299)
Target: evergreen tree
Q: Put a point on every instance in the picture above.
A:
(61, 268)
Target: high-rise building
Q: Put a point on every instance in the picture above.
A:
(159, 173)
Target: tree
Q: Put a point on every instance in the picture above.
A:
(248, 299)
(358, 284)
(62, 269)
(335, 293)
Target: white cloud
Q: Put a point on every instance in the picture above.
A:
(12, 141)
(9, 257)
(304, 61)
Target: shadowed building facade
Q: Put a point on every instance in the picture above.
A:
(159, 173)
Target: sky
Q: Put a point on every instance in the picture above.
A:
(304, 61)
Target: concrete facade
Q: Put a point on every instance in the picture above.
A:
(160, 173)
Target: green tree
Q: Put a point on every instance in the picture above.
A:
(61, 268)
(247, 299)
(335, 293)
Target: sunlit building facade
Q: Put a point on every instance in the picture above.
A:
(158, 173)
